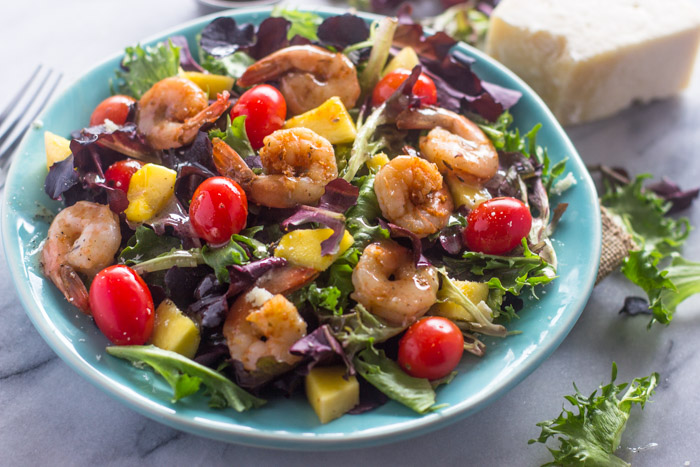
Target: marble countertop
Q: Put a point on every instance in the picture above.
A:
(51, 416)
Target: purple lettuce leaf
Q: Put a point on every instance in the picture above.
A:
(189, 177)
(330, 219)
(224, 36)
(245, 276)
(370, 398)
(180, 284)
(339, 196)
(320, 347)
(174, 215)
(116, 198)
(451, 239)
(62, 176)
(124, 139)
(396, 231)
(271, 36)
(635, 306)
(403, 98)
(211, 310)
(343, 30)
(187, 62)
(671, 192)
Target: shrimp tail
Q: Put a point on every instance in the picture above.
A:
(230, 164)
(189, 129)
(266, 69)
(73, 288)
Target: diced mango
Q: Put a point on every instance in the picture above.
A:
(465, 193)
(174, 331)
(329, 393)
(150, 190)
(330, 120)
(210, 83)
(303, 248)
(377, 161)
(406, 59)
(57, 148)
(475, 291)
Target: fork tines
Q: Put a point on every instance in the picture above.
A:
(23, 109)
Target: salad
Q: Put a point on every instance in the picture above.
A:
(313, 205)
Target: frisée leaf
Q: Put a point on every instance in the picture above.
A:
(142, 67)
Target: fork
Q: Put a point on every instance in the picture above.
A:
(20, 113)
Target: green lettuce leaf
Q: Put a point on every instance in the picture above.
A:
(181, 258)
(359, 328)
(591, 436)
(235, 136)
(186, 376)
(233, 65)
(146, 66)
(387, 376)
(363, 213)
(145, 244)
(323, 298)
(303, 23)
(221, 257)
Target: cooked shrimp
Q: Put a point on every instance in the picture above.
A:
(456, 144)
(172, 111)
(82, 238)
(297, 162)
(411, 194)
(263, 323)
(308, 76)
(390, 286)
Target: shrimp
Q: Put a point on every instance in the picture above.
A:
(308, 76)
(456, 144)
(390, 286)
(263, 323)
(172, 111)
(82, 238)
(411, 193)
(297, 162)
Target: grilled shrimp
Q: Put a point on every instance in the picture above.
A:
(411, 194)
(172, 111)
(390, 286)
(297, 162)
(308, 76)
(263, 323)
(82, 238)
(456, 144)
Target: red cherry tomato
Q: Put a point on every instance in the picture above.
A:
(119, 174)
(497, 226)
(115, 108)
(122, 305)
(265, 108)
(218, 210)
(431, 348)
(424, 87)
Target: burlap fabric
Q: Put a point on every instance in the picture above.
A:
(616, 245)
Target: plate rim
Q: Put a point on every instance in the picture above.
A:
(236, 433)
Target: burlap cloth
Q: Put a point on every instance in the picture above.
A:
(616, 245)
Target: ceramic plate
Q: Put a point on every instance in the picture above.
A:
(292, 423)
(228, 4)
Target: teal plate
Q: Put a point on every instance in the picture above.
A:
(291, 423)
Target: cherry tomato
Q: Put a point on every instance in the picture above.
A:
(497, 226)
(424, 87)
(119, 174)
(115, 108)
(265, 108)
(122, 305)
(218, 210)
(431, 348)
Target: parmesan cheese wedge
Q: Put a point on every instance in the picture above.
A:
(588, 59)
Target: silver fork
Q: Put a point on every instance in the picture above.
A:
(21, 112)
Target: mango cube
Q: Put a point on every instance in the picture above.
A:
(57, 148)
(174, 331)
(150, 190)
(377, 161)
(465, 193)
(475, 291)
(303, 248)
(210, 83)
(330, 120)
(329, 393)
(406, 59)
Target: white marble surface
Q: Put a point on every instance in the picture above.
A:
(51, 416)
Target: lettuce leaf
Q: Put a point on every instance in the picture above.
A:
(235, 136)
(186, 376)
(145, 244)
(303, 23)
(591, 436)
(142, 67)
(387, 376)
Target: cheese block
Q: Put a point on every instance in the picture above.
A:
(588, 59)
